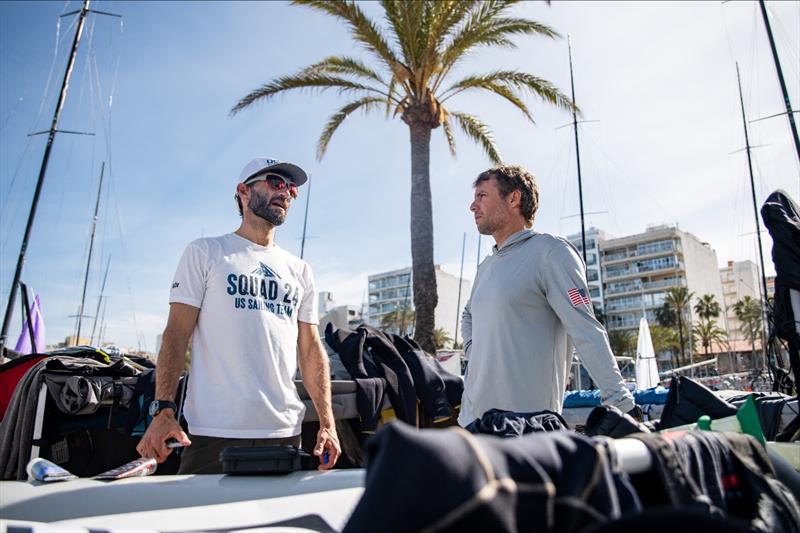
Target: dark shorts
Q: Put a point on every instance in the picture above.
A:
(202, 457)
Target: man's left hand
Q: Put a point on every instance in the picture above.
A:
(327, 448)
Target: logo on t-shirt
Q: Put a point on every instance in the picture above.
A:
(261, 291)
(266, 271)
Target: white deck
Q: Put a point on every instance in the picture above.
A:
(184, 503)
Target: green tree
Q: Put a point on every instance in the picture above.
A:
(707, 307)
(748, 311)
(666, 317)
(622, 342)
(419, 51)
(664, 339)
(707, 333)
(678, 299)
(399, 320)
(599, 314)
(441, 339)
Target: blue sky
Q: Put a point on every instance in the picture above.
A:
(659, 77)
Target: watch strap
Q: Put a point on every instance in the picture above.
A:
(165, 404)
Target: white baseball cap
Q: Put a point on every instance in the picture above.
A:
(259, 165)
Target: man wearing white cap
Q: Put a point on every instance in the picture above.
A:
(250, 309)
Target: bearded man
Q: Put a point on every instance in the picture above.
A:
(250, 310)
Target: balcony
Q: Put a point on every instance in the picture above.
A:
(642, 252)
(640, 270)
(638, 286)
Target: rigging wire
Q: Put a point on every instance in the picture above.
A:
(9, 195)
(78, 268)
(787, 46)
(602, 180)
(638, 184)
(106, 124)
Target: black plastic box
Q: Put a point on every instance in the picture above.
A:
(263, 460)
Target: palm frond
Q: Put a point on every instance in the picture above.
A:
(394, 11)
(361, 26)
(448, 133)
(406, 21)
(502, 81)
(342, 65)
(480, 133)
(367, 103)
(503, 91)
(390, 94)
(301, 81)
(450, 14)
(485, 27)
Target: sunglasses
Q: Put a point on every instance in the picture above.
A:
(276, 183)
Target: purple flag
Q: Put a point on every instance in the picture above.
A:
(24, 342)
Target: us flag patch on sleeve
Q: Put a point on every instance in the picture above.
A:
(578, 297)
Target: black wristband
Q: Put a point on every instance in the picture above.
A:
(156, 406)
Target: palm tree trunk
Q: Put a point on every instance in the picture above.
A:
(424, 275)
(680, 338)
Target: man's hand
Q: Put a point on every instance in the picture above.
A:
(327, 444)
(163, 427)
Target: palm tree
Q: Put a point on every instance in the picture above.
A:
(401, 319)
(707, 307)
(678, 298)
(441, 338)
(666, 317)
(708, 333)
(748, 311)
(418, 51)
(664, 338)
(622, 342)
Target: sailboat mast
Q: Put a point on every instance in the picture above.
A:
(91, 247)
(753, 191)
(305, 220)
(577, 149)
(100, 301)
(460, 282)
(42, 171)
(786, 101)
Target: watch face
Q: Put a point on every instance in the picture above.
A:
(153, 408)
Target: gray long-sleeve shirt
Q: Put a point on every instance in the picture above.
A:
(529, 305)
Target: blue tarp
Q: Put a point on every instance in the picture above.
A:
(591, 398)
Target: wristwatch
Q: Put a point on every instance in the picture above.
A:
(156, 406)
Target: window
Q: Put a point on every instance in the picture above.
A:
(655, 247)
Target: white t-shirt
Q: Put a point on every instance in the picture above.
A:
(244, 347)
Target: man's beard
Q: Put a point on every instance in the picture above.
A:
(487, 226)
(261, 207)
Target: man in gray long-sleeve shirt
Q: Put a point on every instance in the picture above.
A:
(529, 305)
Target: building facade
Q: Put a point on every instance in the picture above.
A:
(638, 270)
(389, 291)
(739, 279)
(595, 238)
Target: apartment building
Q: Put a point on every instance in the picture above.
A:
(595, 238)
(391, 290)
(638, 270)
(739, 279)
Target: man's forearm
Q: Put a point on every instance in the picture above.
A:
(316, 378)
(170, 365)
